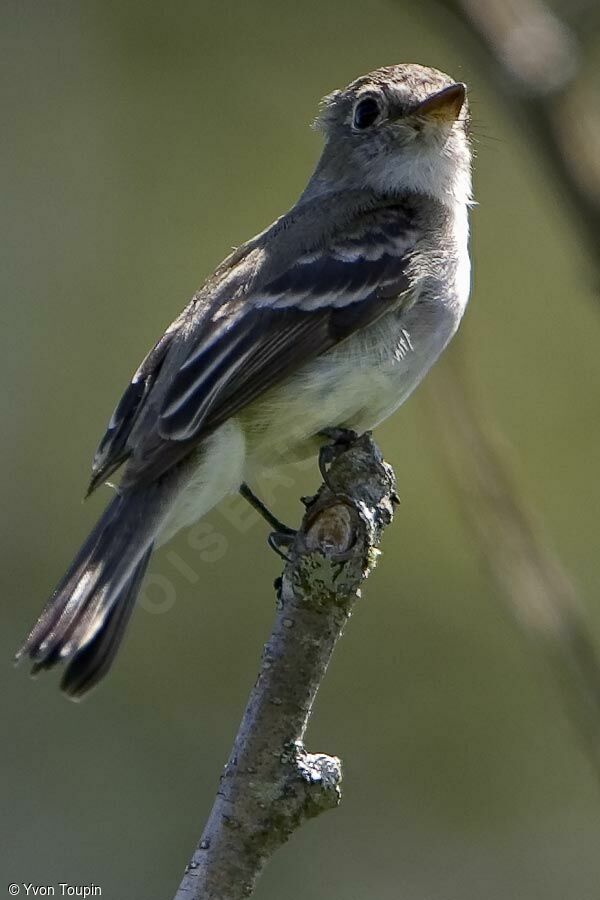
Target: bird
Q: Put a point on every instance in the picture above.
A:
(327, 319)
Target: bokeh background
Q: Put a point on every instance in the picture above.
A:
(140, 142)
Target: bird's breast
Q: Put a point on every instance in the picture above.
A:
(356, 385)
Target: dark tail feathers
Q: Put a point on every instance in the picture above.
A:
(84, 621)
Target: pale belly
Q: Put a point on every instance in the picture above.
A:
(357, 385)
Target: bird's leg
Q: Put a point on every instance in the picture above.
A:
(341, 439)
(254, 501)
(283, 535)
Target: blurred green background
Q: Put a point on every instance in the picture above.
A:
(141, 141)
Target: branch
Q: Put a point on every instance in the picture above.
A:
(532, 582)
(271, 784)
(540, 65)
(540, 68)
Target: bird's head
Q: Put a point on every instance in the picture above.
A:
(400, 128)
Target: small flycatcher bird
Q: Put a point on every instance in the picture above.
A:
(327, 319)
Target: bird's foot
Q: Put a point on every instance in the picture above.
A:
(280, 541)
(341, 440)
(282, 536)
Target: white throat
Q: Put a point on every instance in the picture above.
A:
(424, 170)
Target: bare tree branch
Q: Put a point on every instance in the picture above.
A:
(533, 584)
(539, 66)
(271, 785)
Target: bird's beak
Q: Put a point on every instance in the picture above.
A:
(445, 105)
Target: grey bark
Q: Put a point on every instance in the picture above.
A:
(271, 784)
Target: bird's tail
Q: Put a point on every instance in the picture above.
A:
(84, 621)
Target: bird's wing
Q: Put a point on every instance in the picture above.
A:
(324, 297)
(236, 351)
(113, 449)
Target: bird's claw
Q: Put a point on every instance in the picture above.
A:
(281, 540)
(341, 440)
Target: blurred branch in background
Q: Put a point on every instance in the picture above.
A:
(533, 584)
(539, 65)
(271, 785)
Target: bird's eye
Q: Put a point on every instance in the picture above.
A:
(366, 113)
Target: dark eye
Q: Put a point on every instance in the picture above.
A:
(366, 113)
